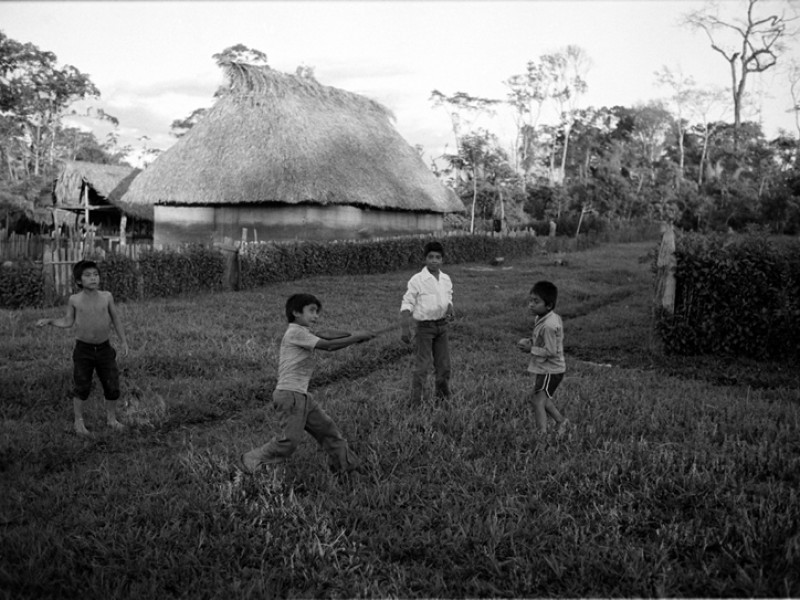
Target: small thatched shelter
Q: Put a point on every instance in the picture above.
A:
(91, 193)
(285, 157)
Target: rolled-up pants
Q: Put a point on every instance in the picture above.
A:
(296, 413)
(432, 350)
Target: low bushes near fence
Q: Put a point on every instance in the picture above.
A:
(269, 262)
(195, 268)
(734, 296)
(21, 285)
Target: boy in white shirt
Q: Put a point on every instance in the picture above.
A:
(428, 302)
(296, 409)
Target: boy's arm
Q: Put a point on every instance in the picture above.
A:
(550, 347)
(405, 325)
(407, 309)
(117, 322)
(66, 321)
(450, 313)
(331, 334)
(338, 344)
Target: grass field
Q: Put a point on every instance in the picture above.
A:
(680, 477)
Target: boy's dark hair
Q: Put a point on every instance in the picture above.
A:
(80, 267)
(297, 302)
(434, 246)
(546, 291)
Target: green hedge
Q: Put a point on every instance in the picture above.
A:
(156, 273)
(119, 275)
(172, 272)
(21, 285)
(270, 262)
(734, 297)
(195, 268)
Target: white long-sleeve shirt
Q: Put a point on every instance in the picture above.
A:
(427, 297)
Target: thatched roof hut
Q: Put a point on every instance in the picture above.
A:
(79, 183)
(273, 137)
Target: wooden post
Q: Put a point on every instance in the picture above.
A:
(86, 205)
(123, 224)
(230, 273)
(47, 273)
(666, 263)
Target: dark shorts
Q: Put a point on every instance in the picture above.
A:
(88, 358)
(547, 382)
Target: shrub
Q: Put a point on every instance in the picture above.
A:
(271, 262)
(120, 276)
(21, 285)
(170, 272)
(734, 298)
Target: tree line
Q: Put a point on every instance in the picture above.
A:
(680, 158)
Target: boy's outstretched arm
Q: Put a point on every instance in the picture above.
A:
(66, 321)
(338, 344)
(332, 334)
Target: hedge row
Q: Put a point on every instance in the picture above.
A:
(162, 273)
(21, 285)
(734, 298)
(156, 273)
(194, 268)
(271, 262)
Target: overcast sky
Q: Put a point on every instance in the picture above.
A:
(152, 61)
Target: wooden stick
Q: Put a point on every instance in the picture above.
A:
(337, 334)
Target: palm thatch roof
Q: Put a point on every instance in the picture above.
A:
(108, 181)
(273, 137)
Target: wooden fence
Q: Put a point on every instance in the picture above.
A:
(20, 247)
(59, 254)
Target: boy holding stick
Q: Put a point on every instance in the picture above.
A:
(296, 409)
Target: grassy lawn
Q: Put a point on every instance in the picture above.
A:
(680, 476)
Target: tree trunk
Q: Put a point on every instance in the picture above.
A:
(35, 149)
(703, 158)
(474, 198)
(567, 129)
(580, 220)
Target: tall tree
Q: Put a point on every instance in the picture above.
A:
(483, 164)
(527, 94)
(464, 111)
(793, 73)
(708, 109)
(749, 44)
(567, 71)
(34, 96)
(683, 87)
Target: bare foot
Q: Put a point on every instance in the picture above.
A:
(81, 430)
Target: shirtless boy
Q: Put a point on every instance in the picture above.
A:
(92, 312)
